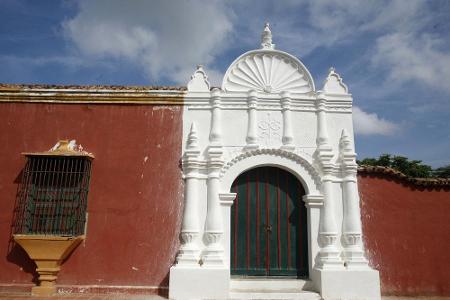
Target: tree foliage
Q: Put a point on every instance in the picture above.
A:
(442, 172)
(412, 168)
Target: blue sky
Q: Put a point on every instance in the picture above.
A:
(393, 55)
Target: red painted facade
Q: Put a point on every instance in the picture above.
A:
(407, 235)
(135, 198)
(136, 194)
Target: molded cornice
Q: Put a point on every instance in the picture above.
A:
(92, 94)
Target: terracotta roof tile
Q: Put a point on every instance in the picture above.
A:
(426, 182)
(9, 86)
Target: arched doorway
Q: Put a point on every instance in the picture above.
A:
(268, 224)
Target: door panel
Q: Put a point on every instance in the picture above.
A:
(268, 225)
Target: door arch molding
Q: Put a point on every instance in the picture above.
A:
(289, 161)
(295, 164)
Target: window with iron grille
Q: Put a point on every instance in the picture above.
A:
(52, 197)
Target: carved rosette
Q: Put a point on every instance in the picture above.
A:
(269, 130)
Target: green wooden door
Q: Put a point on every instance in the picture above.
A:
(268, 225)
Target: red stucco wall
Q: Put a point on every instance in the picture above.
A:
(407, 235)
(135, 202)
(135, 198)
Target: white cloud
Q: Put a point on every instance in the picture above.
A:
(370, 124)
(392, 31)
(329, 22)
(408, 57)
(168, 38)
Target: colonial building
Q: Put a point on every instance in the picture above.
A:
(244, 191)
(270, 181)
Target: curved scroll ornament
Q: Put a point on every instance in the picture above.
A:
(267, 72)
(276, 152)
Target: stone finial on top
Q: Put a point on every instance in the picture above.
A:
(266, 38)
(199, 81)
(333, 84)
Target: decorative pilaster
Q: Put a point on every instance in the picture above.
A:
(252, 130)
(215, 135)
(288, 139)
(189, 253)
(328, 231)
(213, 256)
(351, 227)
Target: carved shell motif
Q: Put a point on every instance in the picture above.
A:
(266, 73)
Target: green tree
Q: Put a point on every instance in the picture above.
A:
(412, 168)
(442, 172)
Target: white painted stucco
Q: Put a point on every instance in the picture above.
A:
(268, 113)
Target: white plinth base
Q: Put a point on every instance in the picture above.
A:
(198, 283)
(361, 284)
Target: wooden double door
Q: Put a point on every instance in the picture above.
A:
(268, 225)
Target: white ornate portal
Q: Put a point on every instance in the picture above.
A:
(268, 113)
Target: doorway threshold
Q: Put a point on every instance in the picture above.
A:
(272, 288)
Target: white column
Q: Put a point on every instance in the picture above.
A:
(189, 252)
(215, 135)
(325, 151)
(351, 227)
(252, 130)
(213, 255)
(328, 231)
(288, 139)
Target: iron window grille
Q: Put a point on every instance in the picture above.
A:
(52, 196)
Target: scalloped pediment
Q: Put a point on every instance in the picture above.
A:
(267, 72)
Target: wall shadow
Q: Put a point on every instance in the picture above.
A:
(16, 254)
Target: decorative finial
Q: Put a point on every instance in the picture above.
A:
(266, 38)
(199, 81)
(334, 84)
(64, 145)
(67, 147)
(192, 138)
(347, 153)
